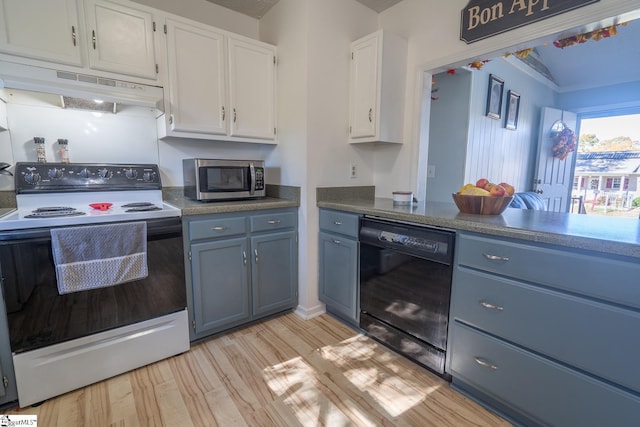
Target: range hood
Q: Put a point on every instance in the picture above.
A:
(79, 85)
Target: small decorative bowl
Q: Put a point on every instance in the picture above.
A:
(481, 205)
(101, 206)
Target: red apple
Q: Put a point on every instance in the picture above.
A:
(508, 188)
(482, 182)
(497, 190)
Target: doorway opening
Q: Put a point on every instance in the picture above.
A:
(606, 179)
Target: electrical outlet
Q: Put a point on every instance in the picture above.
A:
(431, 171)
(353, 171)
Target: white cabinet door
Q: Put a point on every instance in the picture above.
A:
(197, 89)
(120, 39)
(378, 75)
(364, 87)
(252, 89)
(45, 30)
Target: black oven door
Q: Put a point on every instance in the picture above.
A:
(39, 316)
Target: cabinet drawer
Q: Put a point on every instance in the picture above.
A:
(535, 386)
(593, 275)
(339, 222)
(273, 221)
(216, 227)
(595, 337)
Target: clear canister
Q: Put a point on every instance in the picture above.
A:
(63, 150)
(40, 150)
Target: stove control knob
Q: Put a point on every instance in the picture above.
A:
(105, 173)
(32, 177)
(149, 176)
(85, 173)
(55, 173)
(131, 173)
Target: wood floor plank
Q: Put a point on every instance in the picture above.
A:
(284, 371)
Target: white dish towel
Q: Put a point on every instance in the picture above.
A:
(97, 256)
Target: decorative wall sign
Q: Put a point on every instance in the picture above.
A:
(513, 109)
(486, 18)
(494, 97)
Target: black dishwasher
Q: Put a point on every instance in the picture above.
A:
(405, 288)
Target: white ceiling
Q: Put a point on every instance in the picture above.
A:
(592, 64)
(595, 63)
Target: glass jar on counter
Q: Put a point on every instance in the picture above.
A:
(63, 150)
(40, 149)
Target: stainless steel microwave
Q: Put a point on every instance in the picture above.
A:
(216, 179)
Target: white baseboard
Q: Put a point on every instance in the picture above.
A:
(309, 313)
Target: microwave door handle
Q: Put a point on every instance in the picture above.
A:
(252, 172)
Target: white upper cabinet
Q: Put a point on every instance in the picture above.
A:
(252, 89)
(197, 85)
(220, 86)
(378, 73)
(45, 30)
(120, 39)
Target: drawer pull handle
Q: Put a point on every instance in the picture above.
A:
(219, 228)
(337, 223)
(273, 221)
(335, 241)
(484, 363)
(495, 257)
(491, 306)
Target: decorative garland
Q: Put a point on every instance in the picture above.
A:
(564, 140)
(595, 35)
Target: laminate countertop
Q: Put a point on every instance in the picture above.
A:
(619, 236)
(278, 197)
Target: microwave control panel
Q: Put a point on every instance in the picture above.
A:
(259, 178)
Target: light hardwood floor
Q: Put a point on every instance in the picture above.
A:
(282, 372)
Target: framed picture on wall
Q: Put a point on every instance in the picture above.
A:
(494, 97)
(513, 108)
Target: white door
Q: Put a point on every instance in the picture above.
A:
(553, 175)
(120, 39)
(46, 30)
(364, 87)
(252, 89)
(196, 79)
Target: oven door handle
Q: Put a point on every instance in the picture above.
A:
(155, 228)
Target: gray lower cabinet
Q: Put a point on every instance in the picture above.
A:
(546, 335)
(8, 391)
(242, 267)
(338, 264)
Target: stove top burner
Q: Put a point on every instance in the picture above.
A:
(143, 208)
(137, 205)
(54, 209)
(54, 212)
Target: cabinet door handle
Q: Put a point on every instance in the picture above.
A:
(224, 114)
(73, 35)
(93, 39)
(336, 241)
(255, 252)
(495, 257)
(337, 223)
(490, 306)
(244, 257)
(219, 228)
(273, 221)
(484, 363)
(235, 115)
(370, 115)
